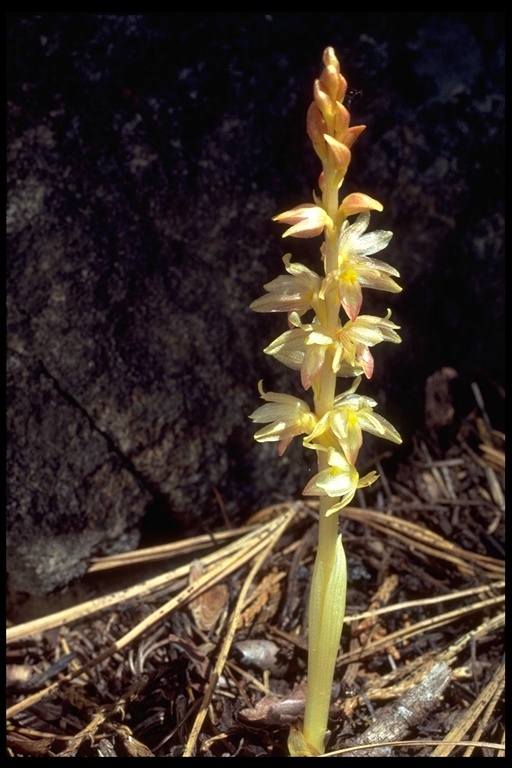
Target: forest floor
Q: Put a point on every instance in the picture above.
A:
(208, 657)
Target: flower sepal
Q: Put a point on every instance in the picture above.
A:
(307, 220)
(287, 417)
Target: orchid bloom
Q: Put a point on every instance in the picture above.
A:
(355, 338)
(340, 479)
(290, 416)
(293, 292)
(352, 413)
(304, 347)
(356, 270)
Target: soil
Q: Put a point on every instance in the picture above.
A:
(205, 655)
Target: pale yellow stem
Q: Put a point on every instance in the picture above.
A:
(326, 615)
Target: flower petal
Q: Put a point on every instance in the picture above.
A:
(288, 417)
(340, 153)
(357, 202)
(288, 293)
(308, 220)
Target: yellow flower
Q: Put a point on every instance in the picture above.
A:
(304, 347)
(290, 293)
(340, 479)
(354, 339)
(289, 417)
(351, 415)
(356, 270)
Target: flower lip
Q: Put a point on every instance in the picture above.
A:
(340, 480)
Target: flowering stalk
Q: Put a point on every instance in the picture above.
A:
(334, 342)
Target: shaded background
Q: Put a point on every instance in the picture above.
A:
(146, 155)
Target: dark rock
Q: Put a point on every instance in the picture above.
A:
(146, 156)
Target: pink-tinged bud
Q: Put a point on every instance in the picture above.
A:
(341, 121)
(330, 81)
(352, 134)
(340, 153)
(357, 202)
(330, 59)
(316, 127)
(323, 102)
(342, 89)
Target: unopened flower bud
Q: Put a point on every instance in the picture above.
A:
(323, 102)
(340, 153)
(316, 127)
(330, 80)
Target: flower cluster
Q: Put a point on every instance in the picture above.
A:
(326, 341)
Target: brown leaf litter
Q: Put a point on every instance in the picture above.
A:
(208, 657)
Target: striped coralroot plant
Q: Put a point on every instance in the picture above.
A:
(328, 338)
